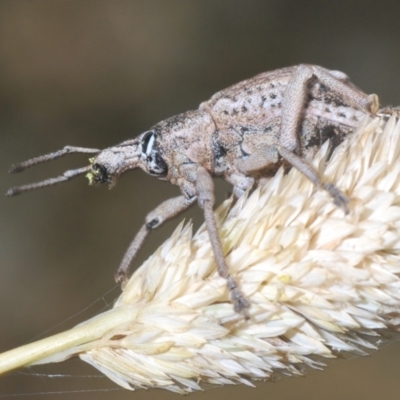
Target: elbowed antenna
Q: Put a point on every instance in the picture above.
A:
(14, 191)
(66, 176)
(51, 156)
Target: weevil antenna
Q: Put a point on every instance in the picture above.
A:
(51, 156)
(66, 176)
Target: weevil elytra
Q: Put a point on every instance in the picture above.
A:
(243, 134)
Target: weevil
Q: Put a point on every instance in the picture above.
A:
(243, 134)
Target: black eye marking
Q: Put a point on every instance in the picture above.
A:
(157, 165)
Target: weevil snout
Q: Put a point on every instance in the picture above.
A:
(98, 174)
(106, 167)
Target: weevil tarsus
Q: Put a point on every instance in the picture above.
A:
(242, 134)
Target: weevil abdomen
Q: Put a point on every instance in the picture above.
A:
(248, 116)
(258, 100)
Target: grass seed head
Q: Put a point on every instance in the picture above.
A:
(320, 282)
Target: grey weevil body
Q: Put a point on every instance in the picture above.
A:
(243, 134)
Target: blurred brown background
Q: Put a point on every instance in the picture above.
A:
(93, 73)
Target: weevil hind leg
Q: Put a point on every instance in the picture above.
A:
(294, 102)
(340, 84)
(339, 198)
(296, 93)
(165, 211)
(206, 200)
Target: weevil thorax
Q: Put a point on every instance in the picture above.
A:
(182, 140)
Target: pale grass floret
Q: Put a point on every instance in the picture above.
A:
(319, 282)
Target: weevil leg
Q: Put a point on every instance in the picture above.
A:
(166, 210)
(295, 99)
(241, 183)
(293, 104)
(258, 160)
(339, 198)
(340, 85)
(206, 200)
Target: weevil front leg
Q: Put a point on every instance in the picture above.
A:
(293, 105)
(166, 210)
(206, 200)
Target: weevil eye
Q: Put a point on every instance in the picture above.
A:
(148, 142)
(99, 174)
(156, 165)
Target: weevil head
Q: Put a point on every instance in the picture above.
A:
(180, 140)
(142, 152)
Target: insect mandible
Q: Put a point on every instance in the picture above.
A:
(243, 134)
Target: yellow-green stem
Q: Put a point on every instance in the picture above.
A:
(84, 333)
